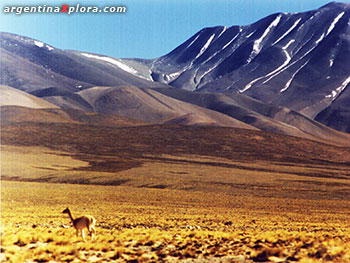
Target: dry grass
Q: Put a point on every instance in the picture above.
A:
(145, 225)
(188, 194)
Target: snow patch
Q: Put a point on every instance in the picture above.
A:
(228, 43)
(207, 71)
(288, 59)
(287, 32)
(39, 43)
(288, 44)
(49, 47)
(331, 62)
(333, 95)
(320, 39)
(213, 55)
(339, 89)
(224, 29)
(194, 40)
(311, 49)
(335, 21)
(204, 48)
(172, 76)
(257, 43)
(293, 76)
(112, 61)
(248, 36)
(344, 84)
(150, 75)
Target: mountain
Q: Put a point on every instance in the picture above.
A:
(132, 106)
(337, 115)
(267, 76)
(35, 67)
(296, 60)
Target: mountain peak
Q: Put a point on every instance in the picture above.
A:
(279, 59)
(335, 4)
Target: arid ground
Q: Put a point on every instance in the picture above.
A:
(172, 193)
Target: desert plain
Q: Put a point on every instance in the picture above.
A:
(171, 193)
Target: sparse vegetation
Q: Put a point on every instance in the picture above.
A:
(152, 225)
(179, 196)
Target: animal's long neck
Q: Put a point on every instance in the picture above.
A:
(70, 216)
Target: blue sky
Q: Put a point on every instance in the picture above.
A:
(149, 28)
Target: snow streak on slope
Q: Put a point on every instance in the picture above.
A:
(293, 76)
(117, 63)
(223, 31)
(112, 61)
(334, 23)
(343, 85)
(288, 58)
(257, 43)
(39, 43)
(194, 40)
(287, 66)
(233, 39)
(287, 32)
(204, 48)
(336, 92)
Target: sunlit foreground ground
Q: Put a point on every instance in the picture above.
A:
(172, 193)
(154, 225)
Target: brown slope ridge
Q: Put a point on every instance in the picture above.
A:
(266, 117)
(20, 107)
(14, 97)
(144, 105)
(18, 114)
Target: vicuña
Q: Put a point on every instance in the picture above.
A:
(81, 223)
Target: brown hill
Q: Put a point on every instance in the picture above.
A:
(12, 96)
(266, 117)
(18, 114)
(144, 105)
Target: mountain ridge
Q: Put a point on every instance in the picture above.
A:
(215, 60)
(296, 60)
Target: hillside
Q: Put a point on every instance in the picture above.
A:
(296, 60)
(15, 97)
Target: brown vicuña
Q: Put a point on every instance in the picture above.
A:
(81, 223)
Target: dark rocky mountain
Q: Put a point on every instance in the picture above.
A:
(337, 115)
(300, 61)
